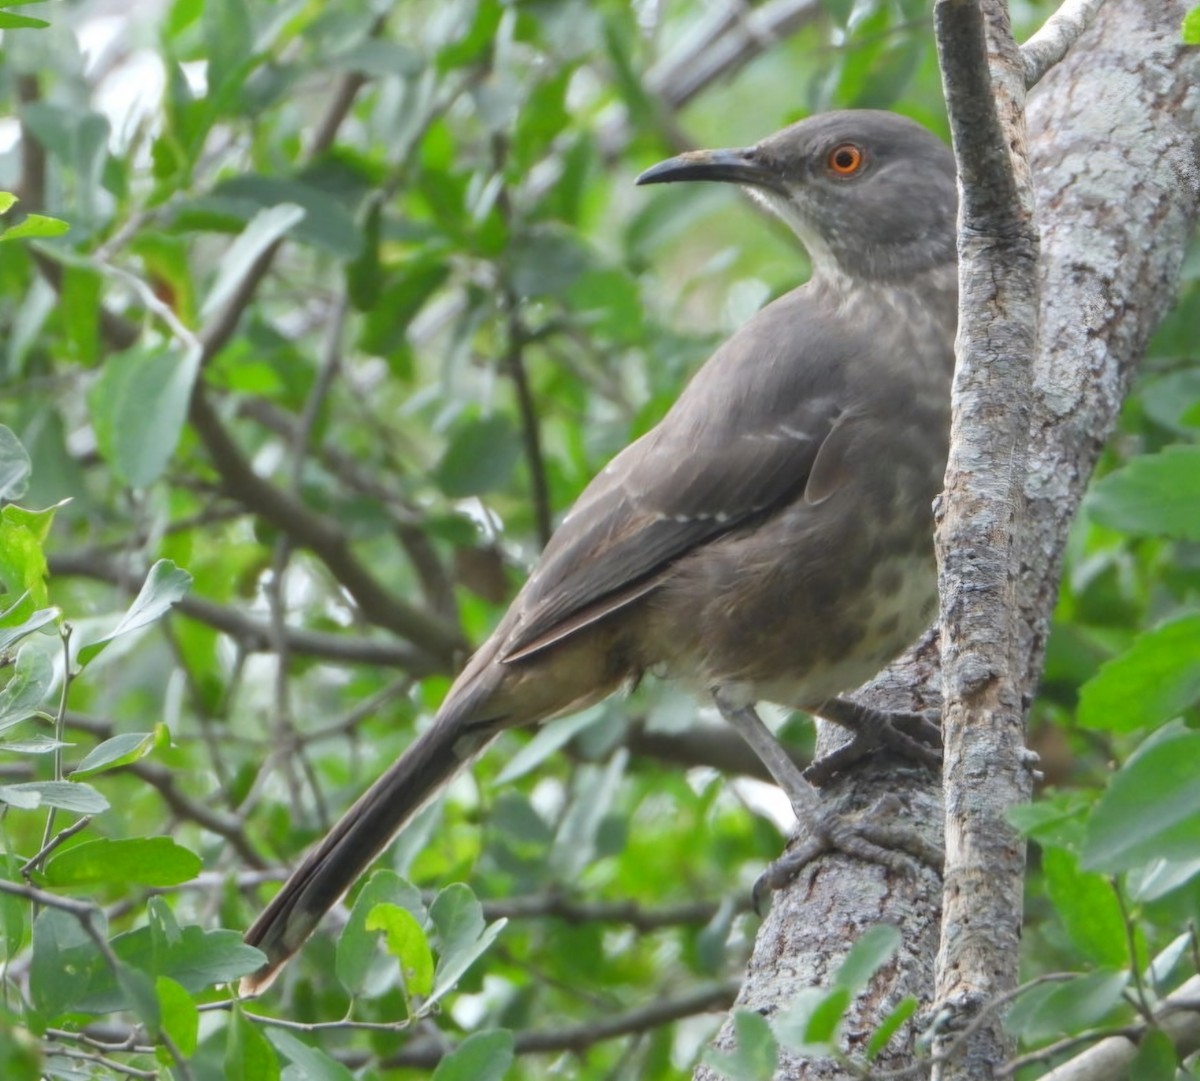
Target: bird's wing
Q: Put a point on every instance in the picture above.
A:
(699, 474)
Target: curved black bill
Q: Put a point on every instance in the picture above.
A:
(735, 166)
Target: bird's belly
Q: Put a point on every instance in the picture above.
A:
(783, 622)
(898, 603)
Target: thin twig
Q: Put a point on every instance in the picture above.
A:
(65, 690)
(254, 635)
(514, 362)
(713, 998)
(322, 536)
(35, 861)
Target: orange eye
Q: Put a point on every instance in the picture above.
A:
(845, 159)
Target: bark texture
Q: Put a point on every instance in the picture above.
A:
(985, 770)
(814, 922)
(1114, 133)
(1115, 151)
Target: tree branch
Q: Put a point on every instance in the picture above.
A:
(1110, 1059)
(725, 44)
(985, 770)
(1057, 34)
(321, 536)
(563, 907)
(426, 1054)
(255, 635)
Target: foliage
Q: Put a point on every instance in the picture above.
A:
(352, 302)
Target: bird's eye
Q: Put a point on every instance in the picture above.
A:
(845, 159)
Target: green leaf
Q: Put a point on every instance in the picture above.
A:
(325, 223)
(79, 139)
(548, 739)
(827, 1016)
(20, 1054)
(1156, 1058)
(229, 41)
(1151, 809)
(1191, 27)
(364, 275)
(138, 407)
(462, 935)
(62, 951)
(1160, 877)
(31, 680)
(15, 467)
(890, 1026)
(9, 21)
(406, 291)
(755, 1054)
(407, 943)
(309, 1063)
(1154, 494)
(35, 225)
(144, 861)
(7, 201)
(874, 949)
(195, 959)
(357, 948)
(1057, 819)
(180, 1019)
(793, 1024)
(263, 230)
(1159, 970)
(119, 751)
(248, 1054)
(22, 561)
(379, 59)
(1156, 679)
(547, 262)
(1049, 1010)
(33, 745)
(41, 618)
(139, 993)
(482, 1056)
(480, 458)
(80, 304)
(1088, 908)
(164, 585)
(65, 795)
(592, 797)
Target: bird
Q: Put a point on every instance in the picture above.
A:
(769, 540)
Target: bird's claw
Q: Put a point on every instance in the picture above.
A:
(871, 835)
(916, 736)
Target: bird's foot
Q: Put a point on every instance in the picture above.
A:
(873, 835)
(916, 736)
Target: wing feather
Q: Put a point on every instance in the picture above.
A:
(727, 454)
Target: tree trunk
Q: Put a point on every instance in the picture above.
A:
(1114, 134)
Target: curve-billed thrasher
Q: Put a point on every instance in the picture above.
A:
(770, 539)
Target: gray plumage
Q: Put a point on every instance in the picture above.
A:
(771, 538)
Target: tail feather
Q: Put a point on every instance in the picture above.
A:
(358, 837)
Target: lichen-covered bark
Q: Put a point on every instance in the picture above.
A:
(979, 520)
(1115, 152)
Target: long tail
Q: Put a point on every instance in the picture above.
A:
(335, 864)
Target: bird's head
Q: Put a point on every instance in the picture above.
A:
(870, 194)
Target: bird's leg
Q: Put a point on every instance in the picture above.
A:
(916, 736)
(872, 835)
(771, 753)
